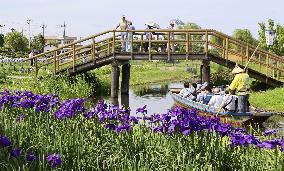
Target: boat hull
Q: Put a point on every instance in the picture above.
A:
(236, 119)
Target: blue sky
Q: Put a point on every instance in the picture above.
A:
(86, 17)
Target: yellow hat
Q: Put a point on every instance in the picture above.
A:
(237, 70)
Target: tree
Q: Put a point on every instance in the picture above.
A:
(192, 47)
(244, 35)
(1, 40)
(38, 43)
(16, 42)
(189, 26)
(278, 46)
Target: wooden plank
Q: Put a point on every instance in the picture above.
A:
(187, 45)
(74, 58)
(54, 62)
(169, 46)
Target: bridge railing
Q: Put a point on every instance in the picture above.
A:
(157, 42)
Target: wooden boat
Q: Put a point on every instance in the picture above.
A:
(236, 119)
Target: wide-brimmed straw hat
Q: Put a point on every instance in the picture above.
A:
(237, 70)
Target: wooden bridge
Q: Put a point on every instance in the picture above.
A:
(105, 48)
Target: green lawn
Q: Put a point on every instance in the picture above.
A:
(269, 100)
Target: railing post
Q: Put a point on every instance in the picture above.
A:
(227, 50)
(206, 43)
(278, 73)
(94, 51)
(187, 45)
(224, 48)
(150, 45)
(259, 62)
(242, 55)
(74, 57)
(55, 63)
(141, 45)
(113, 43)
(267, 63)
(131, 50)
(108, 47)
(36, 67)
(169, 46)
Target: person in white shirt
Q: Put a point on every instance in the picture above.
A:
(123, 25)
(171, 46)
(217, 99)
(229, 102)
(186, 91)
(129, 36)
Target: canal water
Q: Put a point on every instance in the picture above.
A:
(158, 100)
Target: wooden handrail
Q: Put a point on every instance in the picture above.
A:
(202, 38)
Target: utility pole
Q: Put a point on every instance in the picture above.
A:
(1, 26)
(43, 27)
(64, 27)
(29, 23)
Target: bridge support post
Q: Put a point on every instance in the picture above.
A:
(125, 79)
(114, 79)
(205, 71)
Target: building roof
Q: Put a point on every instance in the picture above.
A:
(59, 38)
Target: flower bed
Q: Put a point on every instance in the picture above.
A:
(40, 132)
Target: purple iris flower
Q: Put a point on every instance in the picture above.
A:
(158, 129)
(4, 141)
(21, 117)
(270, 144)
(30, 157)
(110, 126)
(142, 110)
(54, 160)
(270, 132)
(15, 152)
(124, 127)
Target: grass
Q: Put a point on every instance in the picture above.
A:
(272, 100)
(153, 72)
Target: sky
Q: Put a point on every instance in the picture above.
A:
(87, 17)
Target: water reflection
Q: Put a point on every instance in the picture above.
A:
(156, 97)
(151, 90)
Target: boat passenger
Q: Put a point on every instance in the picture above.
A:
(217, 99)
(186, 91)
(208, 95)
(229, 102)
(240, 84)
(193, 94)
(201, 95)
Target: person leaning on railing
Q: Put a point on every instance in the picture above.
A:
(240, 84)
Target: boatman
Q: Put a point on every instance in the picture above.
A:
(240, 85)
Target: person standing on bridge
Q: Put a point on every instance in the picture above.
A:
(123, 25)
(129, 36)
(240, 84)
(171, 46)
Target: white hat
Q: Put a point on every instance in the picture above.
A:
(237, 70)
